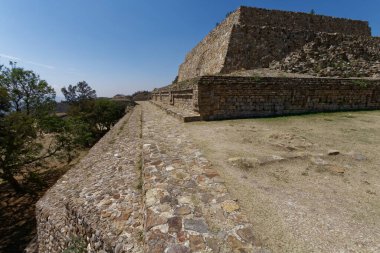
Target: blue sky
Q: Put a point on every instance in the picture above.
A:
(121, 46)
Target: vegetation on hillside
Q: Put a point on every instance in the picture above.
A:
(95, 115)
(26, 102)
(141, 95)
(30, 130)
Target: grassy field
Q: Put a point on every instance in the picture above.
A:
(308, 183)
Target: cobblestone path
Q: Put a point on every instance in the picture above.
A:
(144, 187)
(187, 206)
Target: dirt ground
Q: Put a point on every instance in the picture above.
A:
(308, 183)
(17, 210)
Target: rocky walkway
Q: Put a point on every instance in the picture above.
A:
(187, 206)
(145, 187)
(97, 206)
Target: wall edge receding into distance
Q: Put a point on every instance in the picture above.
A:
(244, 97)
(208, 57)
(144, 187)
(97, 204)
(229, 97)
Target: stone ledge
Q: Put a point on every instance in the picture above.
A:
(97, 202)
(181, 114)
(187, 206)
(163, 196)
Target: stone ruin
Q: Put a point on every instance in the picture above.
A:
(145, 187)
(252, 38)
(306, 62)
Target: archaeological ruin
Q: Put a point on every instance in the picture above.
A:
(305, 62)
(146, 187)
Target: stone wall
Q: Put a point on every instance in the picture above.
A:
(335, 55)
(183, 94)
(225, 97)
(97, 204)
(256, 47)
(208, 56)
(251, 38)
(303, 21)
(144, 187)
(240, 97)
(165, 97)
(302, 51)
(183, 99)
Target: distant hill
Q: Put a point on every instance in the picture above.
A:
(121, 97)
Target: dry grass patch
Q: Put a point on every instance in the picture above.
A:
(308, 183)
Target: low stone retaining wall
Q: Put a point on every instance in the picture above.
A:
(226, 97)
(183, 95)
(240, 97)
(179, 113)
(97, 205)
(144, 187)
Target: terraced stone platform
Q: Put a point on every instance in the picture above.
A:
(182, 114)
(145, 187)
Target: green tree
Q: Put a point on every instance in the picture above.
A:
(25, 102)
(20, 146)
(4, 97)
(80, 98)
(26, 92)
(99, 115)
(70, 134)
(4, 101)
(17, 145)
(175, 80)
(105, 114)
(78, 93)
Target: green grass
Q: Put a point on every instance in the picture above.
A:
(139, 167)
(77, 245)
(361, 83)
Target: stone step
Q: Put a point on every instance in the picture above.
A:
(181, 114)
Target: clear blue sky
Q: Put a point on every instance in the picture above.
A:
(121, 46)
